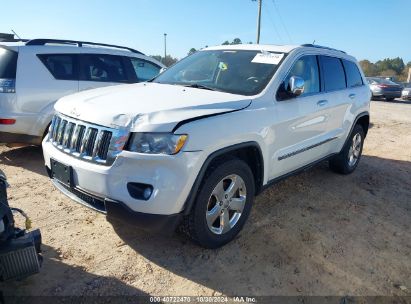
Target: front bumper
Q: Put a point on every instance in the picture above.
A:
(115, 210)
(104, 188)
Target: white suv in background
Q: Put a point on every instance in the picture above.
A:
(34, 74)
(196, 144)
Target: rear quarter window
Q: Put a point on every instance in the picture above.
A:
(353, 74)
(333, 73)
(8, 63)
(61, 66)
(144, 69)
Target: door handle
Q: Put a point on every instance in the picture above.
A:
(322, 103)
(352, 96)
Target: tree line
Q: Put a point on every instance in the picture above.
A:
(386, 67)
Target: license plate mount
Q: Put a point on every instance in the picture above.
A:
(62, 172)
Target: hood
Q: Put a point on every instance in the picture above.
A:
(147, 107)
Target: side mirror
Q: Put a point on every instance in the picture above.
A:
(162, 70)
(295, 86)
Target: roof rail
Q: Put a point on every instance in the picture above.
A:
(14, 40)
(79, 44)
(321, 47)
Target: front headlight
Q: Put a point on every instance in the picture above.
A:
(156, 143)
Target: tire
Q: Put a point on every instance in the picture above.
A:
(346, 161)
(389, 98)
(214, 201)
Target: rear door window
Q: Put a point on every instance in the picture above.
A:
(61, 66)
(8, 64)
(144, 69)
(104, 68)
(332, 73)
(354, 78)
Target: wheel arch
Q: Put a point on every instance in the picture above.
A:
(364, 120)
(250, 152)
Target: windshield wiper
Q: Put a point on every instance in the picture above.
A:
(199, 86)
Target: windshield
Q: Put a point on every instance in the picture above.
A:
(238, 72)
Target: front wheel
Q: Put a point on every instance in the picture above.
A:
(347, 160)
(223, 204)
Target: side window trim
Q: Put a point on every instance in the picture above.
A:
(358, 70)
(82, 65)
(345, 73)
(288, 72)
(322, 71)
(130, 72)
(76, 70)
(145, 60)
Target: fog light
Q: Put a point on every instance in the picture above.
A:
(140, 191)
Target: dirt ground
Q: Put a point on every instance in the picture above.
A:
(317, 233)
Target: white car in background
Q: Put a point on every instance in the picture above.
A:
(406, 91)
(34, 74)
(194, 146)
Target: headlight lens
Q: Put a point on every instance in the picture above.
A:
(156, 143)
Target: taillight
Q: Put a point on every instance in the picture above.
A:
(7, 121)
(7, 86)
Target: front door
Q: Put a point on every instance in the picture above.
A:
(300, 125)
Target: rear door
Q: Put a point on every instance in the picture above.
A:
(43, 77)
(100, 70)
(337, 75)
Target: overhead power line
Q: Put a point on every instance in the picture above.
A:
(282, 21)
(272, 21)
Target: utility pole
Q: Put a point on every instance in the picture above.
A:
(260, 3)
(165, 47)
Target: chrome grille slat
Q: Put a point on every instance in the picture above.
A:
(97, 143)
(60, 133)
(74, 138)
(80, 138)
(105, 142)
(91, 139)
(67, 134)
(56, 127)
(86, 141)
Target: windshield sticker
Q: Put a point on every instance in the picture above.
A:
(268, 58)
(223, 66)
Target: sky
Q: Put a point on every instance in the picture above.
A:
(366, 29)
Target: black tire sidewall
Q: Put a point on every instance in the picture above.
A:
(357, 130)
(203, 234)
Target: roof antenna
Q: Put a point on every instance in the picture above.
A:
(313, 42)
(15, 34)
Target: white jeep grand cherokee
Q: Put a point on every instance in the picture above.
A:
(192, 147)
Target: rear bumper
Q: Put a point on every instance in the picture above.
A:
(116, 210)
(13, 138)
(387, 94)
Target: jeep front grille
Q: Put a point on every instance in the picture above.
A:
(87, 141)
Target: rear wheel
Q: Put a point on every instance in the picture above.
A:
(389, 98)
(223, 204)
(349, 157)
